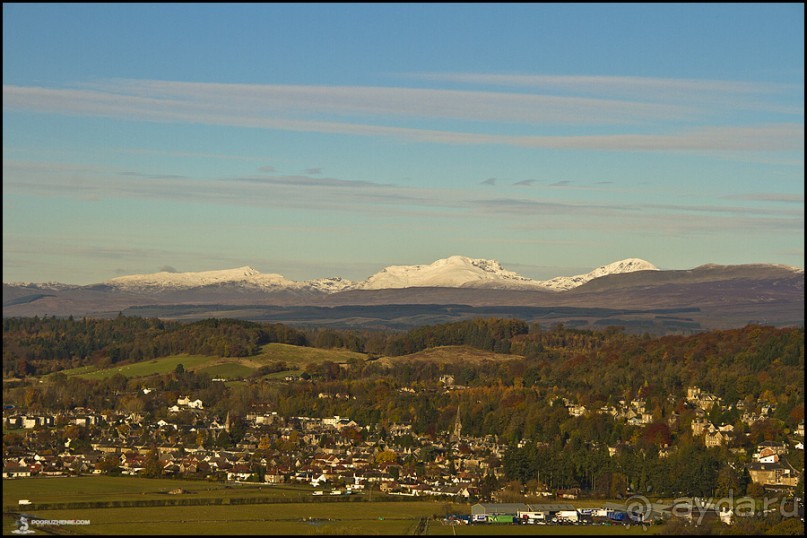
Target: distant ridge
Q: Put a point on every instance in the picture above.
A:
(631, 293)
(451, 272)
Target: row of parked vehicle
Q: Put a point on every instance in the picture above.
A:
(563, 517)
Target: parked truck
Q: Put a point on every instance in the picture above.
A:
(568, 516)
(502, 518)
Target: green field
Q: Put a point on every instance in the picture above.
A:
(163, 365)
(296, 357)
(332, 517)
(315, 517)
(226, 370)
(111, 488)
(292, 518)
(451, 354)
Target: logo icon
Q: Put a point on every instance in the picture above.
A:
(22, 526)
(639, 509)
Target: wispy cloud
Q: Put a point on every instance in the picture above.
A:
(152, 176)
(489, 181)
(496, 106)
(379, 112)
(412, 203)
(768, 197)
(307, 181)
(732, 93)
(524, 183)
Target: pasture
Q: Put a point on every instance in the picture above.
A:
(308, 518)
(285, 516)
(122, 488)
(451, 354)
(296, 357)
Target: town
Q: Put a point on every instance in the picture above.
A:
(507, 421)
(338, 456)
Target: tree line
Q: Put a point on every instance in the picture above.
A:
(36, 346)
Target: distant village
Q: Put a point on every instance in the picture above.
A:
(334, 455)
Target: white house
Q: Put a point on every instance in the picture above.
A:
(187, 402)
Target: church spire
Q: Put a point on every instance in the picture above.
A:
(455, 436)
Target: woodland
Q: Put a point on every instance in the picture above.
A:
(517, 392)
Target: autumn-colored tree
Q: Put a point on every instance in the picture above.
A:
(386, 456)
(658, 433)
(152, 467)
(109, 464)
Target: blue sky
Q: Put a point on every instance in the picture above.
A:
(317, 140)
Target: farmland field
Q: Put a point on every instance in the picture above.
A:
(390, 518)
(450, 354)
(161, 365)
(110, 488)
(296, 357)
(274, 518)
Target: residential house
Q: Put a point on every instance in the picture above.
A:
(773, 474)
(15, 470)
(187, 402)
(773, 447)
(715, 439)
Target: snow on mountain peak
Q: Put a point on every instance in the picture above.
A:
(244, 276)
(166, 279)
(451, 272)
(629, 265)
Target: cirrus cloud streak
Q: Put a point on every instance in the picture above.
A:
(380, 112)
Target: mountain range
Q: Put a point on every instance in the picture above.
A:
(451, 272)
(631, 293)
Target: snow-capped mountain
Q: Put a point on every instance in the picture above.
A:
(242, 276)
(631, 293)
(46, 286)
(629, 265)
(451, 272)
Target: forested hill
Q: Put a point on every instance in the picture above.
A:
(597, 364)
(43, 345)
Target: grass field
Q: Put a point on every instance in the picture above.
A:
(283, 518)
(300, 356)
(306, 518)
(451, 354)
(296, 357)
(226, 370)
(227, 520)
(110, 488)
(391, 518)
(161, 365)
